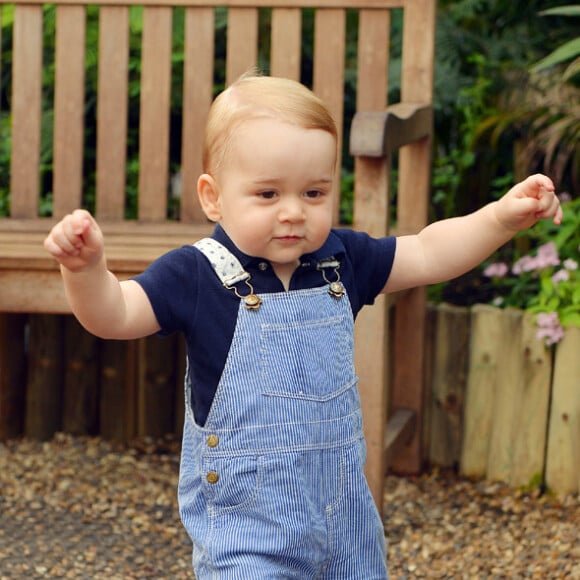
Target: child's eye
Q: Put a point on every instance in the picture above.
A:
(267, 194)
(313, 194)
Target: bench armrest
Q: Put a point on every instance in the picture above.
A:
(379, 133)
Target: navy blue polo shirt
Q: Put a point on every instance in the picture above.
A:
(188, 297)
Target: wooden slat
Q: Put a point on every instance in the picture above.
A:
(12, 374)
(486, 344)
(563, 465)
(413, 199)
(449, 380)
(371, 356)
(237, 3)
(416, 87)
(26, 111)
(371, 202)
(69, 108)
(117, 397)
(154, 120)
(242, 42)
(372, 71)
(506, 402)
(418, 57)
(197, 97)
(407, 387)
(44, 385)
(81, 387)
(286, 43)
(328, 74)
(156, 385)
(532, 411)
(112, 110)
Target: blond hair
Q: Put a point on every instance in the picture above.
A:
(253, 96)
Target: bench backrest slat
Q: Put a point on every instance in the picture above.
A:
(242, 42)
(112, 109)
(26, 110)
(197, 96)
(374, 30)
(328, 72)
(69, 108)
(154, 113)
(286, 42)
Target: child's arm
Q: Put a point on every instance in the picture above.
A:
(449, 248)
(103, 305)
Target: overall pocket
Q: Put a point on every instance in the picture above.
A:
(310, 360)
(232, 483)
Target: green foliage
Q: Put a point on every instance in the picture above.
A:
(544, 281)
(488, 46)
(568, 51)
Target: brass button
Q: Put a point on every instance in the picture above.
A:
(212, 477)
(212, 441)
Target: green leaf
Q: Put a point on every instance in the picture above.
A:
(572, 319)
(567, 51)
(561, 11)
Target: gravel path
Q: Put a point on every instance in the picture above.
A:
(84, 508)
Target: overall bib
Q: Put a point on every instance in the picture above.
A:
(272, 486)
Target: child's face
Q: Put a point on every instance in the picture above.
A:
(276, 191)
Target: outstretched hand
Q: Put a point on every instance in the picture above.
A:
(76, 241)
(527, 202)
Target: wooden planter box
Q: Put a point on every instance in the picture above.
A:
(503, 406)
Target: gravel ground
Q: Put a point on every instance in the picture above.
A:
(84, 508)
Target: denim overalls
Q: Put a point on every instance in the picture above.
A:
(273, 486)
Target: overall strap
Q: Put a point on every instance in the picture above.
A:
(226, 265)
(229, 270)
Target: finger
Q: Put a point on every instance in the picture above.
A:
(543, 185)
(91, 233)
(71, 236)
(549, 203)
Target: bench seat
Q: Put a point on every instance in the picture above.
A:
(30, 277)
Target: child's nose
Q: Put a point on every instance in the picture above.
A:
(292, 209)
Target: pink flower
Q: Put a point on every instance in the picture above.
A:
(524, 264)
(550, 329)
(497, 269)
(548, 255)
(570, 264)
(561, 276)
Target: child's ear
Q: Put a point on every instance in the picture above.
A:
(209, 197)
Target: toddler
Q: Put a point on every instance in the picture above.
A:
(271, 480)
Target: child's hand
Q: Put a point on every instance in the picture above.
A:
(527, 202)
(76, 241)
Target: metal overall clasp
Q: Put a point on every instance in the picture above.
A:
(335, 288)
(251, 301)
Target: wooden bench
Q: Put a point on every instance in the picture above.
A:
(389, 356)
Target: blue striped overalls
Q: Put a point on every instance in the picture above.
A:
(272, 486)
